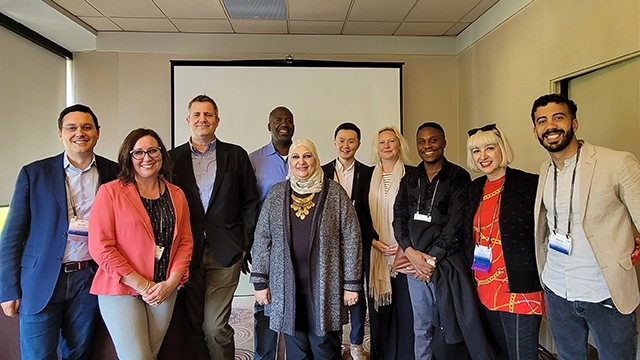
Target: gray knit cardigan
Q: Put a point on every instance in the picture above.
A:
(335, 258)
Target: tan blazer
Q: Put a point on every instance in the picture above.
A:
(609, 206)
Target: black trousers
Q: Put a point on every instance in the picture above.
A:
(305, 344)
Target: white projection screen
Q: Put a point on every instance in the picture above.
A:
(320, 94)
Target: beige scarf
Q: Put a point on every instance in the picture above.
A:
(381, 205)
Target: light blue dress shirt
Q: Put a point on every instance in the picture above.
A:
(270, 168)
(204, 169)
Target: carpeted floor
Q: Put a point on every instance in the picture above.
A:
(242, 322)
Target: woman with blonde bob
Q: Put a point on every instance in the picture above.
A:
(390, 311)
(499, 242)
(307, 257)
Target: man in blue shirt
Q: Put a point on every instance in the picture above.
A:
(270, 166)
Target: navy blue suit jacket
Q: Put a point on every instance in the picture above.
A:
(35, 233)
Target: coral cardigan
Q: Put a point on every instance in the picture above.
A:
(121, 239)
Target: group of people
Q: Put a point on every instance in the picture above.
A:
(446, 267)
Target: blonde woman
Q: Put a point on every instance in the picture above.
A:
(390, 312)
(500, 244)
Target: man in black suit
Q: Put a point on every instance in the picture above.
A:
(220, 186)
(355, 178)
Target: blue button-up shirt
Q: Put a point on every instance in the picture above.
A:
(270, 168)
(81, 186)
(204, 169)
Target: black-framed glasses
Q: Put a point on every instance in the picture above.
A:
(139, 154)
(488, 127)
(74, 128)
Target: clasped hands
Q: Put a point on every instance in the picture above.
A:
(263, 297)
(424, 264)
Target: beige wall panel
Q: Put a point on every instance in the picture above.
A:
(32, 94)
(504, 72)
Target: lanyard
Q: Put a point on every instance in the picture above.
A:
(433, 196)
(71, 199)
(495, 213)
(555, 190)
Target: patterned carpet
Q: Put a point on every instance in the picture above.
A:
(242, 322)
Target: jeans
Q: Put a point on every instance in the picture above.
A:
(136, 328)
(265, 340)
(570, 323)
(305, 344)
(515, 335)
(69, 317)
(423, 300)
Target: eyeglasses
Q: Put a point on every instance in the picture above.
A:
(139, 154)
(484, 128)
(74, 128)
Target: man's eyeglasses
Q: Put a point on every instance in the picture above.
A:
(484, 128)
(74, 128)
(139, 154)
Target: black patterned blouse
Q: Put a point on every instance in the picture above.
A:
(163, 222)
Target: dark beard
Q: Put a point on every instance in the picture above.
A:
(560, 146)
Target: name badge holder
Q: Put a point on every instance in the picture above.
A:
(482, 254)
(425, 217)
(78, 230)
(563, 243)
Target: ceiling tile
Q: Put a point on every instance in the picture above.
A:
(203, 25)
(424, 29)
(256, 9)
(457, 29)
(380, 10)
(77, 7)
(253, 26)
(318, 10)
(100, 23)
(315, 27)
(441, 10)
(145, 24)
(369, 28)
(127, 8)
(477, 11)
(193, 9)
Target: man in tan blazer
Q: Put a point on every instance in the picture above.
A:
(587, 208)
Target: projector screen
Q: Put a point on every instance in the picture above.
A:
(320, 94)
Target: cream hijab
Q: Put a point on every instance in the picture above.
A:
(314, 183)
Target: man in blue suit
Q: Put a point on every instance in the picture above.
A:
(45, 267)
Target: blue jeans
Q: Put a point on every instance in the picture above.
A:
(515, 335)
(423, 300)
(570, 323)
(69, 317)
(265, 340)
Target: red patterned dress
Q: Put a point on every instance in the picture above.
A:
(493, 286)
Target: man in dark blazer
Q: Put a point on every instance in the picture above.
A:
(355, 178)
(45, 266)
(220, 186)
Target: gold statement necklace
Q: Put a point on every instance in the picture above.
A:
(302, 205)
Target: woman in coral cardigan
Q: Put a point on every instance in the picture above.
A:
(140, 236)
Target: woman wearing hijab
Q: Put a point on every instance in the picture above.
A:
(140, 236)
(390, 311)
(499, 241)
(306, 256)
